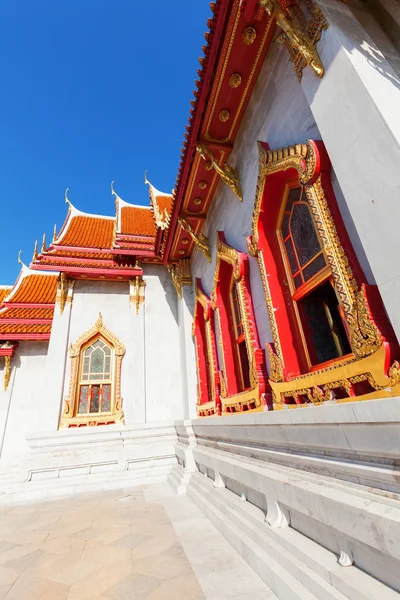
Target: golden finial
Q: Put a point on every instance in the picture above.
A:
(67, 199)
(43, 249)
(54, 234)
(35, 252)
(99, 322)
(19, 258)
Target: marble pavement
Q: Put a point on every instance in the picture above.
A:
(140, 544)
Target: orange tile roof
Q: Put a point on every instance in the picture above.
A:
(89, 232)
(4, 329)
(3, 293)
(165, 202)
(27, 313)
(137, 221)
(37, 288)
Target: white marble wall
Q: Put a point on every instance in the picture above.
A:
(151, 379)
(19, 404)
(164, 399)
(355, 106)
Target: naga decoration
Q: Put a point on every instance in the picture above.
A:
(299, 34)
(201, 240)
(228, 174)
(181, 275)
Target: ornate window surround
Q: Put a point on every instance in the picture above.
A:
(69, 417)
(372, 340)
(259, 394)
(208, 400)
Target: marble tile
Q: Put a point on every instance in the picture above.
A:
(162, 566)
(43, 589)
(134, 587)
(8, 575)
(4, 589)
(98, 583)
(107, 555)
(130, 540)
(75, 573)
(185, 587)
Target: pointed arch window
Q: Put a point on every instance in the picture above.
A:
(96, 378)
(208, 390)
(244, 384)
(94, 392)
(326, 321)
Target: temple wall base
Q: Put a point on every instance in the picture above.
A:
(309, 497)
(71, 461)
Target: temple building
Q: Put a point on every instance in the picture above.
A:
(240, 335)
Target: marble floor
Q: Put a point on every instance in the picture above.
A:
(139, 544)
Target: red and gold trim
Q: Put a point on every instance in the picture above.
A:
(208, 379)
(231, 280)
(373, 343)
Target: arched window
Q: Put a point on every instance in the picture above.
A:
(330, 338)
(94, 396)
(244, 384)
(310, 281)
(96, 378)
(208, 393)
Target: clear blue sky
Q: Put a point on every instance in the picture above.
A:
(92, 90)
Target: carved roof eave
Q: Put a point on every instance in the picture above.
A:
(227, 17)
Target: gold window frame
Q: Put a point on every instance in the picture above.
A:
(70, 416)
(369, 359)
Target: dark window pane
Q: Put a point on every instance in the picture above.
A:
(236, 307)
(297, 281)
(106, 402)
(318, 326)
(94, 403)
(314, 267)
(83, 399)
(244, 361)
(291, 256)
(304, 235)
(285, 225)
(293, 196)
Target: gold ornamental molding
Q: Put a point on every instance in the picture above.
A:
(65, 290)
(257, 373)
(365, 338)
(181, 274)
(213, 406)
(301, 30)
(70, 416)
(7, 371)
(137, 286)
(228, 174)
(7, 350)
(200, 240)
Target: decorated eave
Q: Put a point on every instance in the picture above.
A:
(26, 311)
(238, 37)
(91, 246)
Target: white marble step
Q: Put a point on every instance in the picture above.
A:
(282, 557)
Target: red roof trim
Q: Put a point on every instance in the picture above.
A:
(26, 305)
(210, 57)
(25, 336)
(26, 321)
